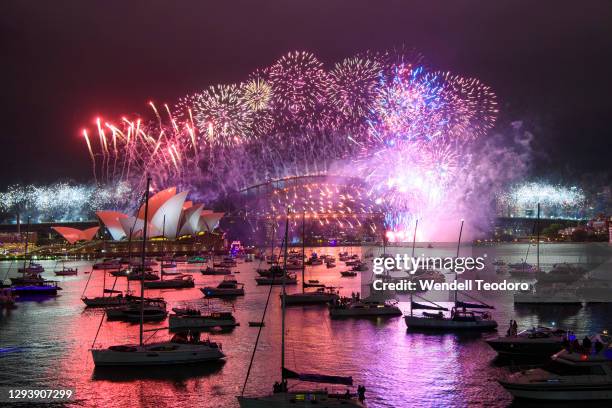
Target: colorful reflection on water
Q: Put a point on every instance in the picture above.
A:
(45, 343)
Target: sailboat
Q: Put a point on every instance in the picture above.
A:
(178, 351)
(281, 396)
(463, 316)
(321, 295)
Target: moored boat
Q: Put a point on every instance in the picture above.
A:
(202, 321)
(228, 287)
(579, 372)
(535, 342)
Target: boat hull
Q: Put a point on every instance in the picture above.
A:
(145, 356)
(216, 292)
(198, 322)
(415, 322)
(358, 312)
(297, 399)
(544, 348)
(559, 392)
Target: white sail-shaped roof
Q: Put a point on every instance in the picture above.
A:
(191, 220)
(168, 215)
(136, 225)
(210, 220)
(112, 221)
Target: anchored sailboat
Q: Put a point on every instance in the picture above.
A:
(281, 396)
(463, 316)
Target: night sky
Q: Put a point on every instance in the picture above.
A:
(65, 62)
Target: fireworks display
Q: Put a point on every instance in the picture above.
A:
(555, 201)
(62, 201)
(383, 118)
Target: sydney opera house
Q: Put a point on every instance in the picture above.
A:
(170, 215)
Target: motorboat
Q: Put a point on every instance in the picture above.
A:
(228, 287)
(348, 274)
(173, 352)
(202, 321)
(319, 296)
(216, 271)
(367, 307)
(67, 272)
(178, 282)
(535, 342)
(360, 267)
(47, 288)
(578, 372)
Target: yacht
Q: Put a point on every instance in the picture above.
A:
(108, 301)
(137, 275)
(67, 272)
(318, 296)
(575, 373)
(461, 318)
(368, 307)
(288, 279)
(152, 310)
(178, 282)
(173, 352)
(228, 287)
(348, 274)
(536, 342)
(206, 321)
(216, 271)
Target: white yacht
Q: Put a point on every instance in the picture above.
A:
(579, 374)
(162, 353)
(368, 307)
(200, 321)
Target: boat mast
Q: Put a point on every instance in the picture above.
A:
(303, 249)
(25, 251)
(283, 296)
(161, 267)
(537, 240)
(142, 257)
(416, 224)
(129, 257)
(458, 245)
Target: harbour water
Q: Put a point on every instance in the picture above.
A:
(45, 343)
